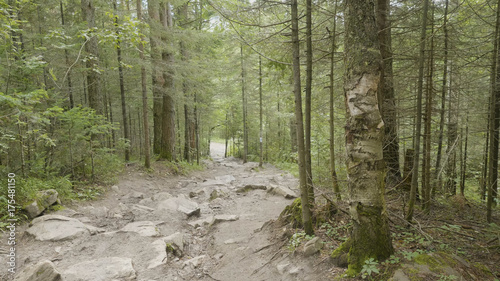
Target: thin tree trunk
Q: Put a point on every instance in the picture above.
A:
(156, 76)
(484, 177)
(167, 150)
(464, 166)
(418, 117)
(147, 157)
(297, 89)
(92, 62)
(443, 98)
(494, 124)
(451, 168)
(309, 68)
(387, 99)
(261, 152)
(126, 132)
(426, 161)
(333, 171)
(244, 110)
(68, 64)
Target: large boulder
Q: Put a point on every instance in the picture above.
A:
(42, 271)
(43, 200)
(103, 269)
(59, 228)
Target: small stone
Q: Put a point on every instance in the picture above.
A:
(42, 271)
(399, 275)
(115, 188)
(202, 222)
(218, 256)
(194, 262)
(295, 270)
(313, 246)
(161, 196)
(224, 218)
(176, 241)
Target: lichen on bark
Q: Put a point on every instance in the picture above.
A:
(370, 237)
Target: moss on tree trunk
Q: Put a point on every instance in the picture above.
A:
(364, 139)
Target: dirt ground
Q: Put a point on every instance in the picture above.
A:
(238, 247)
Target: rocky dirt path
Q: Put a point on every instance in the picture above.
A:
(210, 225)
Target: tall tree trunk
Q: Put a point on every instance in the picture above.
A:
(484, 176)
(494, 123)
(167, 150)
(451, 167)
(333, 171)
(297, 89)
(92, 62)
(68, 64)
(370, 236)
(156, 76)
(443, 98)
(147, 157)
(309, 68)
(426, 161)
(418, 118)
(261, 152)
(126, 128)
(387, 99)
(464, 166)
(244, 109)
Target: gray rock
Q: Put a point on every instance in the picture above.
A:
(100, 212)
(58, 228)
(249, 187)
(176, 241)
(134, 195)
(180, 204)
(141, 209)
(42, 271)
(202, 222)
(194, 262)
(160, 254)
(143, 228)
(295, 270)
(44, 199)
(161, 196)
(146, 201)
(313, 246)
(226, 179)
(115, 188)
(399, 275)
(224, 218)
(103, 269)
(283, 191)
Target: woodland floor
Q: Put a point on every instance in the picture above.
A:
(250, 245)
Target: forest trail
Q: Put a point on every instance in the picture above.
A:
(212, 221)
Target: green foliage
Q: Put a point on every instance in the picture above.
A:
(296, 239)
(370, 266)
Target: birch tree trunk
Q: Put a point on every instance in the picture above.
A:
(370, 236)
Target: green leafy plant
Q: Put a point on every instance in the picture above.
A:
(296, 239)
(369, 267)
